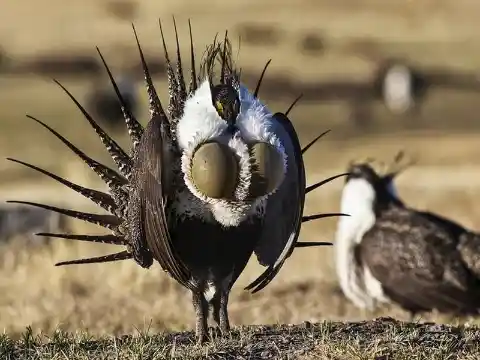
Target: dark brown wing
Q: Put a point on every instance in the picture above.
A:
(452, 227)
(283, 215)
(417, 262)
(153, 189)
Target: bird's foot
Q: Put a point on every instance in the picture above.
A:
(212, 334)
(215, 332)
(201, 337)
(220, 330)
(224, 327)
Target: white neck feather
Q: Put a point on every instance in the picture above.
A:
(201, 122)
(358, 199)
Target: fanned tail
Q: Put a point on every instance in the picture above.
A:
(155, 105)
(223, 69)
(103, 200)
(120, 158)
(114, 180)
(107, 221)
(116, 202)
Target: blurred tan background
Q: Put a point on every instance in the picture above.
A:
(329, 50)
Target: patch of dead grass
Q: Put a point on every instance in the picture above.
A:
(383, 338)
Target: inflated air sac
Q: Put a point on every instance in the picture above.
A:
(267, 169)
(215, 170)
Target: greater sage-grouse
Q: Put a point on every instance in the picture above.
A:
(211, 180)
(389, 252)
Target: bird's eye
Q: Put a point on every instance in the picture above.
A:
(267, 168)
(219, 107)
(215, 170)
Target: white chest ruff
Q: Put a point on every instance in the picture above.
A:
(200, 123)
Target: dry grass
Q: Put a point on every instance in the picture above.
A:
(116, 299)
(381, 339)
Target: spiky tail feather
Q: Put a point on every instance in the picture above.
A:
(301, 244)
(117, 200)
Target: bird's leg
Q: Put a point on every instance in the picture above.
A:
(220, 313)
(224, 321)
(216, 308)
(201, 313)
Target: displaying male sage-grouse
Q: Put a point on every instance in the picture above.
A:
(387, 251)
(217, 179)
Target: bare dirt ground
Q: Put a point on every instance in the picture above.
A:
(121, 298)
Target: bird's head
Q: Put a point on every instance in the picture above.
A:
(375, 188)
(232, 158)
(364, 173)
(227, 103)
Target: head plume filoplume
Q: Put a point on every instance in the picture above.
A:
(219, 53)
(399, 164)
(387, 170)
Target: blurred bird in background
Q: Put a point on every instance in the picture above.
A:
(388, 252)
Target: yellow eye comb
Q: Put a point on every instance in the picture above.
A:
(219, 106)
